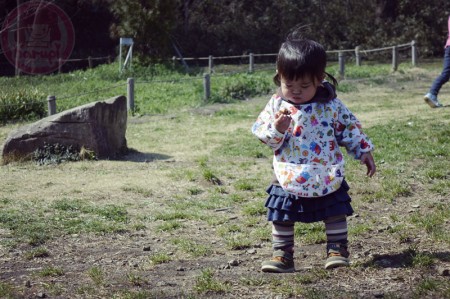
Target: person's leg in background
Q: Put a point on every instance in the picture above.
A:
(431, 97)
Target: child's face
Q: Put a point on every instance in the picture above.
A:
(300, 90)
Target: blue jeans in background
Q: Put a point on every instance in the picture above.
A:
(444, 76)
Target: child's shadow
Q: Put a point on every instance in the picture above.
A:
(407, 258)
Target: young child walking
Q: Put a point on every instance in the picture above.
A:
(305, 123)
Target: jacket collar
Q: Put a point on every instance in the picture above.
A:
(324, 93)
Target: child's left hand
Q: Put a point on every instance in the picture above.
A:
(367, 159)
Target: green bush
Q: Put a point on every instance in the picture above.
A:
(241, 87)
(22, 104)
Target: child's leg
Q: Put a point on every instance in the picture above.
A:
(337, 253)
(283, 236)
(336, 229)
(283, 248)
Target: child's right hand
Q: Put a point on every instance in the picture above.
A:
(282, 120)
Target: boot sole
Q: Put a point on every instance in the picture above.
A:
(273, 269)
(336, 264)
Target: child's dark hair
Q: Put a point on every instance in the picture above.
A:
(299, 57)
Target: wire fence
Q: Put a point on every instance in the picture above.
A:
(64, 65)
(358, 53)
(247, 60)
(90, 61)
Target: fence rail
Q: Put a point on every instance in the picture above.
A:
(341, 56)
(90, 61)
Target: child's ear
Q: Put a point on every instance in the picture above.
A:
(322, 77)
(320, 80)
(276, 79)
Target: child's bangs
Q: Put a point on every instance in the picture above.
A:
(292, 68)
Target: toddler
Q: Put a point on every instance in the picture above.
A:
(305, 123)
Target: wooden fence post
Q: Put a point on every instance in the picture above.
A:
(413, 53)
(357, 56)
(394, 58)
(130, 94)
(251, 62)
(206, 86)
(59, 65)
(51, 104)
(210, 64)
(341, 59)
(174, 60)
(90, 61)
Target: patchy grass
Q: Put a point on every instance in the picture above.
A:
(206, 283)
(51, 271)
(159, 258)
(97, 275)
(38, 252)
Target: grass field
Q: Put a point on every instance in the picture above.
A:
(182, 216)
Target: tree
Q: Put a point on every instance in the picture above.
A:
(148, 22)
(200, 28)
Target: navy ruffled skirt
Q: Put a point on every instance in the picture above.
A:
(283, 207)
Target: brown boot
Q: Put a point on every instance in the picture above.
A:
(337, 256)
(281, 262)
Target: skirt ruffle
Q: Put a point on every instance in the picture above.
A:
(283, 207)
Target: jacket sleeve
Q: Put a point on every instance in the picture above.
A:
(264, 129)
(349, 134)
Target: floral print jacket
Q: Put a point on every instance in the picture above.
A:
(307, 159)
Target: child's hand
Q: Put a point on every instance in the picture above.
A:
(367, 159)
(282, 120)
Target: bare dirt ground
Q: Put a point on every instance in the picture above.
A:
(385, 254)
(380, 265)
